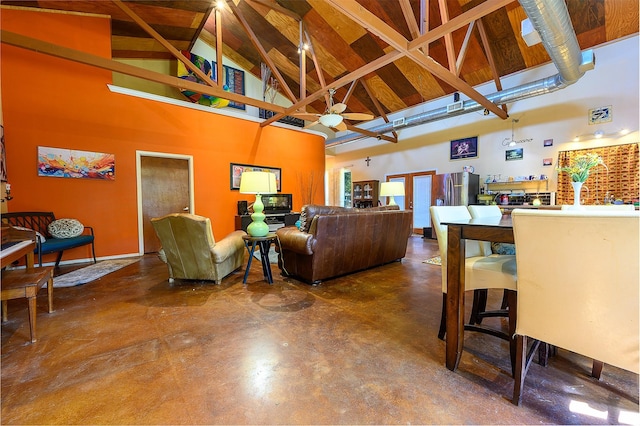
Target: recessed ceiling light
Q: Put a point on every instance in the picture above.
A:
(598, 134)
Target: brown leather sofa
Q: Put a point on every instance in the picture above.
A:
(335, 241)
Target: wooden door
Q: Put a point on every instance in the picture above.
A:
(164, 187)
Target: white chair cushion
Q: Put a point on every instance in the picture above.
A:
(65, 228)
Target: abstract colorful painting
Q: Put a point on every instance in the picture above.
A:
(69, 163)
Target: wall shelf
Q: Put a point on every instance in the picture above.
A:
(524, 185)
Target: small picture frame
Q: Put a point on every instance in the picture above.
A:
(600, 115)
(237, 169)
(464, 148)
(514, 154)
(548, 142)
(547, 161)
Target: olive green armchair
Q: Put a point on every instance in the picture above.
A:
(192, 253)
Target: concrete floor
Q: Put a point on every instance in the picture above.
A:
(132, 349)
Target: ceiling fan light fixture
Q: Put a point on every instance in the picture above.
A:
(330, 120)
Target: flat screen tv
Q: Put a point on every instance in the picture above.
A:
(276, 203)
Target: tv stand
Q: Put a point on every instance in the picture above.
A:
(274, 220)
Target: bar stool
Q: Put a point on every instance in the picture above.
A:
(19, 283)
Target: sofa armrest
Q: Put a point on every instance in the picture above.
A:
(89, 228)
(291, 238)
(228, 246)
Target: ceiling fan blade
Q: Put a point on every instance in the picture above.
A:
(306, 116)
(341, 127)
(357, 116)
(337, 108)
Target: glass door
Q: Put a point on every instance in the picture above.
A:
(417, 189)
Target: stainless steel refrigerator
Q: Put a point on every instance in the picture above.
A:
(454, 189)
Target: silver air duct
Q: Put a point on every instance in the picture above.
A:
(551, 19)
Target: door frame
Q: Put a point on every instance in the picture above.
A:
(139, 155)
(408, 190)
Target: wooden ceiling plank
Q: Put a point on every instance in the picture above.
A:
(271, 4)
(146, 44)
(407, 11)
(448, 38)
(458, 22)
(426, 84)
(464, 48)
(62, 52)
(379, 28)
(360, 72)
(337, 21)
(262, 51)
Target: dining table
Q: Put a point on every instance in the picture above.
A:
(492, 229)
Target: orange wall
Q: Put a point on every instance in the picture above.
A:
(58, 103)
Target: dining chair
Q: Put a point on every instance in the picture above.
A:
(478, 311)
(577, 285)
(481, 271)
(601, 207)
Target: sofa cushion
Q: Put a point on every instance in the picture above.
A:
(53, 245)
(65, 228)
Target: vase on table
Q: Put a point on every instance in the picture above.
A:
(577, 187)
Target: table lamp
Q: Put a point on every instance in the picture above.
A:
(390, 189)
(258, 183)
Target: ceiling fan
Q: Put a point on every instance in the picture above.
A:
(334, 115)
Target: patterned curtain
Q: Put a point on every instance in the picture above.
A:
(620, 178)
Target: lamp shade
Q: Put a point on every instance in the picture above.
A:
(330, 120)
(391, 188)
(258, 183)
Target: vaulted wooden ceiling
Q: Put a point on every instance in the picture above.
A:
(381, 55)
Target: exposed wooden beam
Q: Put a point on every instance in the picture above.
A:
(375, 101)
(372, 134)
(350, 91)
(302, 57)
(219, 68)
(492, 62)
(381, 29)
(424, 23)
(464, 48)
(360, 72)
(459, 21)
(62, 52)
(316, 64)
(407, 11)
(448, 38)
(263, 53)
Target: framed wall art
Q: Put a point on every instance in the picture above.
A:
(237, 170)
(514, 154)
(464, 148)
(70, 163)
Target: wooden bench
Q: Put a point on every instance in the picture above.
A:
(25, 283)
(39, 221)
